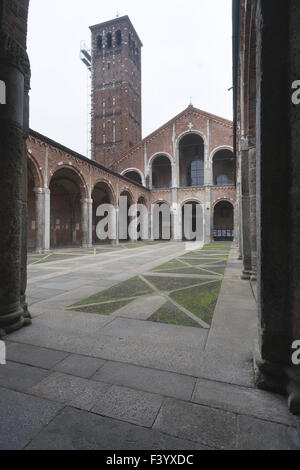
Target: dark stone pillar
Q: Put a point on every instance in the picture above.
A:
(278, 197)
(15, 73)
(252, 207)
(246, 244)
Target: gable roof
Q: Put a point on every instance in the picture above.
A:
(190, 109)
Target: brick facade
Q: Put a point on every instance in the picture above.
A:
(185, 160)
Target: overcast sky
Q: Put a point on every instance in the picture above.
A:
(186, 53)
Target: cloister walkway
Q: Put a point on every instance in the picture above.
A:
(81, 380)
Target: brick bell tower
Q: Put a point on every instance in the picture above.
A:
(116, 89)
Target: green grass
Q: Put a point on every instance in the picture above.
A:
(134, 287)
(103, 309)
(195, 262)
(200, 300)
(167, 284)
(174, 263)
(216, 270)
(218, 246)
(184, 270)
(169, 313)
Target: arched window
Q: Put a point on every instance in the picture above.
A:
(222, 180)
(191, 160)
(109, 40)
(99, 43)
(118, 38)
(161, 172)
(223, 168)
(196, 173)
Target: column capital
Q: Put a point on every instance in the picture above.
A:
(41, 190)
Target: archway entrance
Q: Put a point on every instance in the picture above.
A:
(191, 160)
(65, 209)
(101, 194)
(195, 223)
(161, 221)
(124, 218)
(140, 227)
(223, 221)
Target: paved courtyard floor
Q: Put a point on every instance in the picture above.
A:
(135, 376)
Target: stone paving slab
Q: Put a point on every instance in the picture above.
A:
(34, 356)
(228, 354)
(126, 404)
(44, 293)
(66, 335)
(80, 430)
(141, 308)
(156, 332)
(80, 366)
(65, 286)
(149, 380)
(243, 400)
(255, 434)
(70, 390)
(207, 426)
(22, 418)
(20, 377)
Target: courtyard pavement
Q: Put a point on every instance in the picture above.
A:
(76, 380)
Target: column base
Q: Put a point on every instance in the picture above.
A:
(27, 315)
(13, 321)
(278, 378)
(246, 275)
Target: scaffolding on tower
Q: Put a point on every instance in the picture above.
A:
(86, 58)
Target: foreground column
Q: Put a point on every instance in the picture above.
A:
(90, 222)
(14, 73)
(278, 193)
(42, 211)
(84, 223)
(245, 209)
(252, 207)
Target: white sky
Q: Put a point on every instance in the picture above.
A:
(187, 52)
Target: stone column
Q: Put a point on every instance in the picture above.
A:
(90, 222)
(42, 215)
(245, 215)
(15, 73)
(278, 197)
(176, 216)
(207, 215)
(252, 207)
(84, 222)
(132, 228)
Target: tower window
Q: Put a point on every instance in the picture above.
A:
(99, 43)
(109, 40)
(119, 38)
